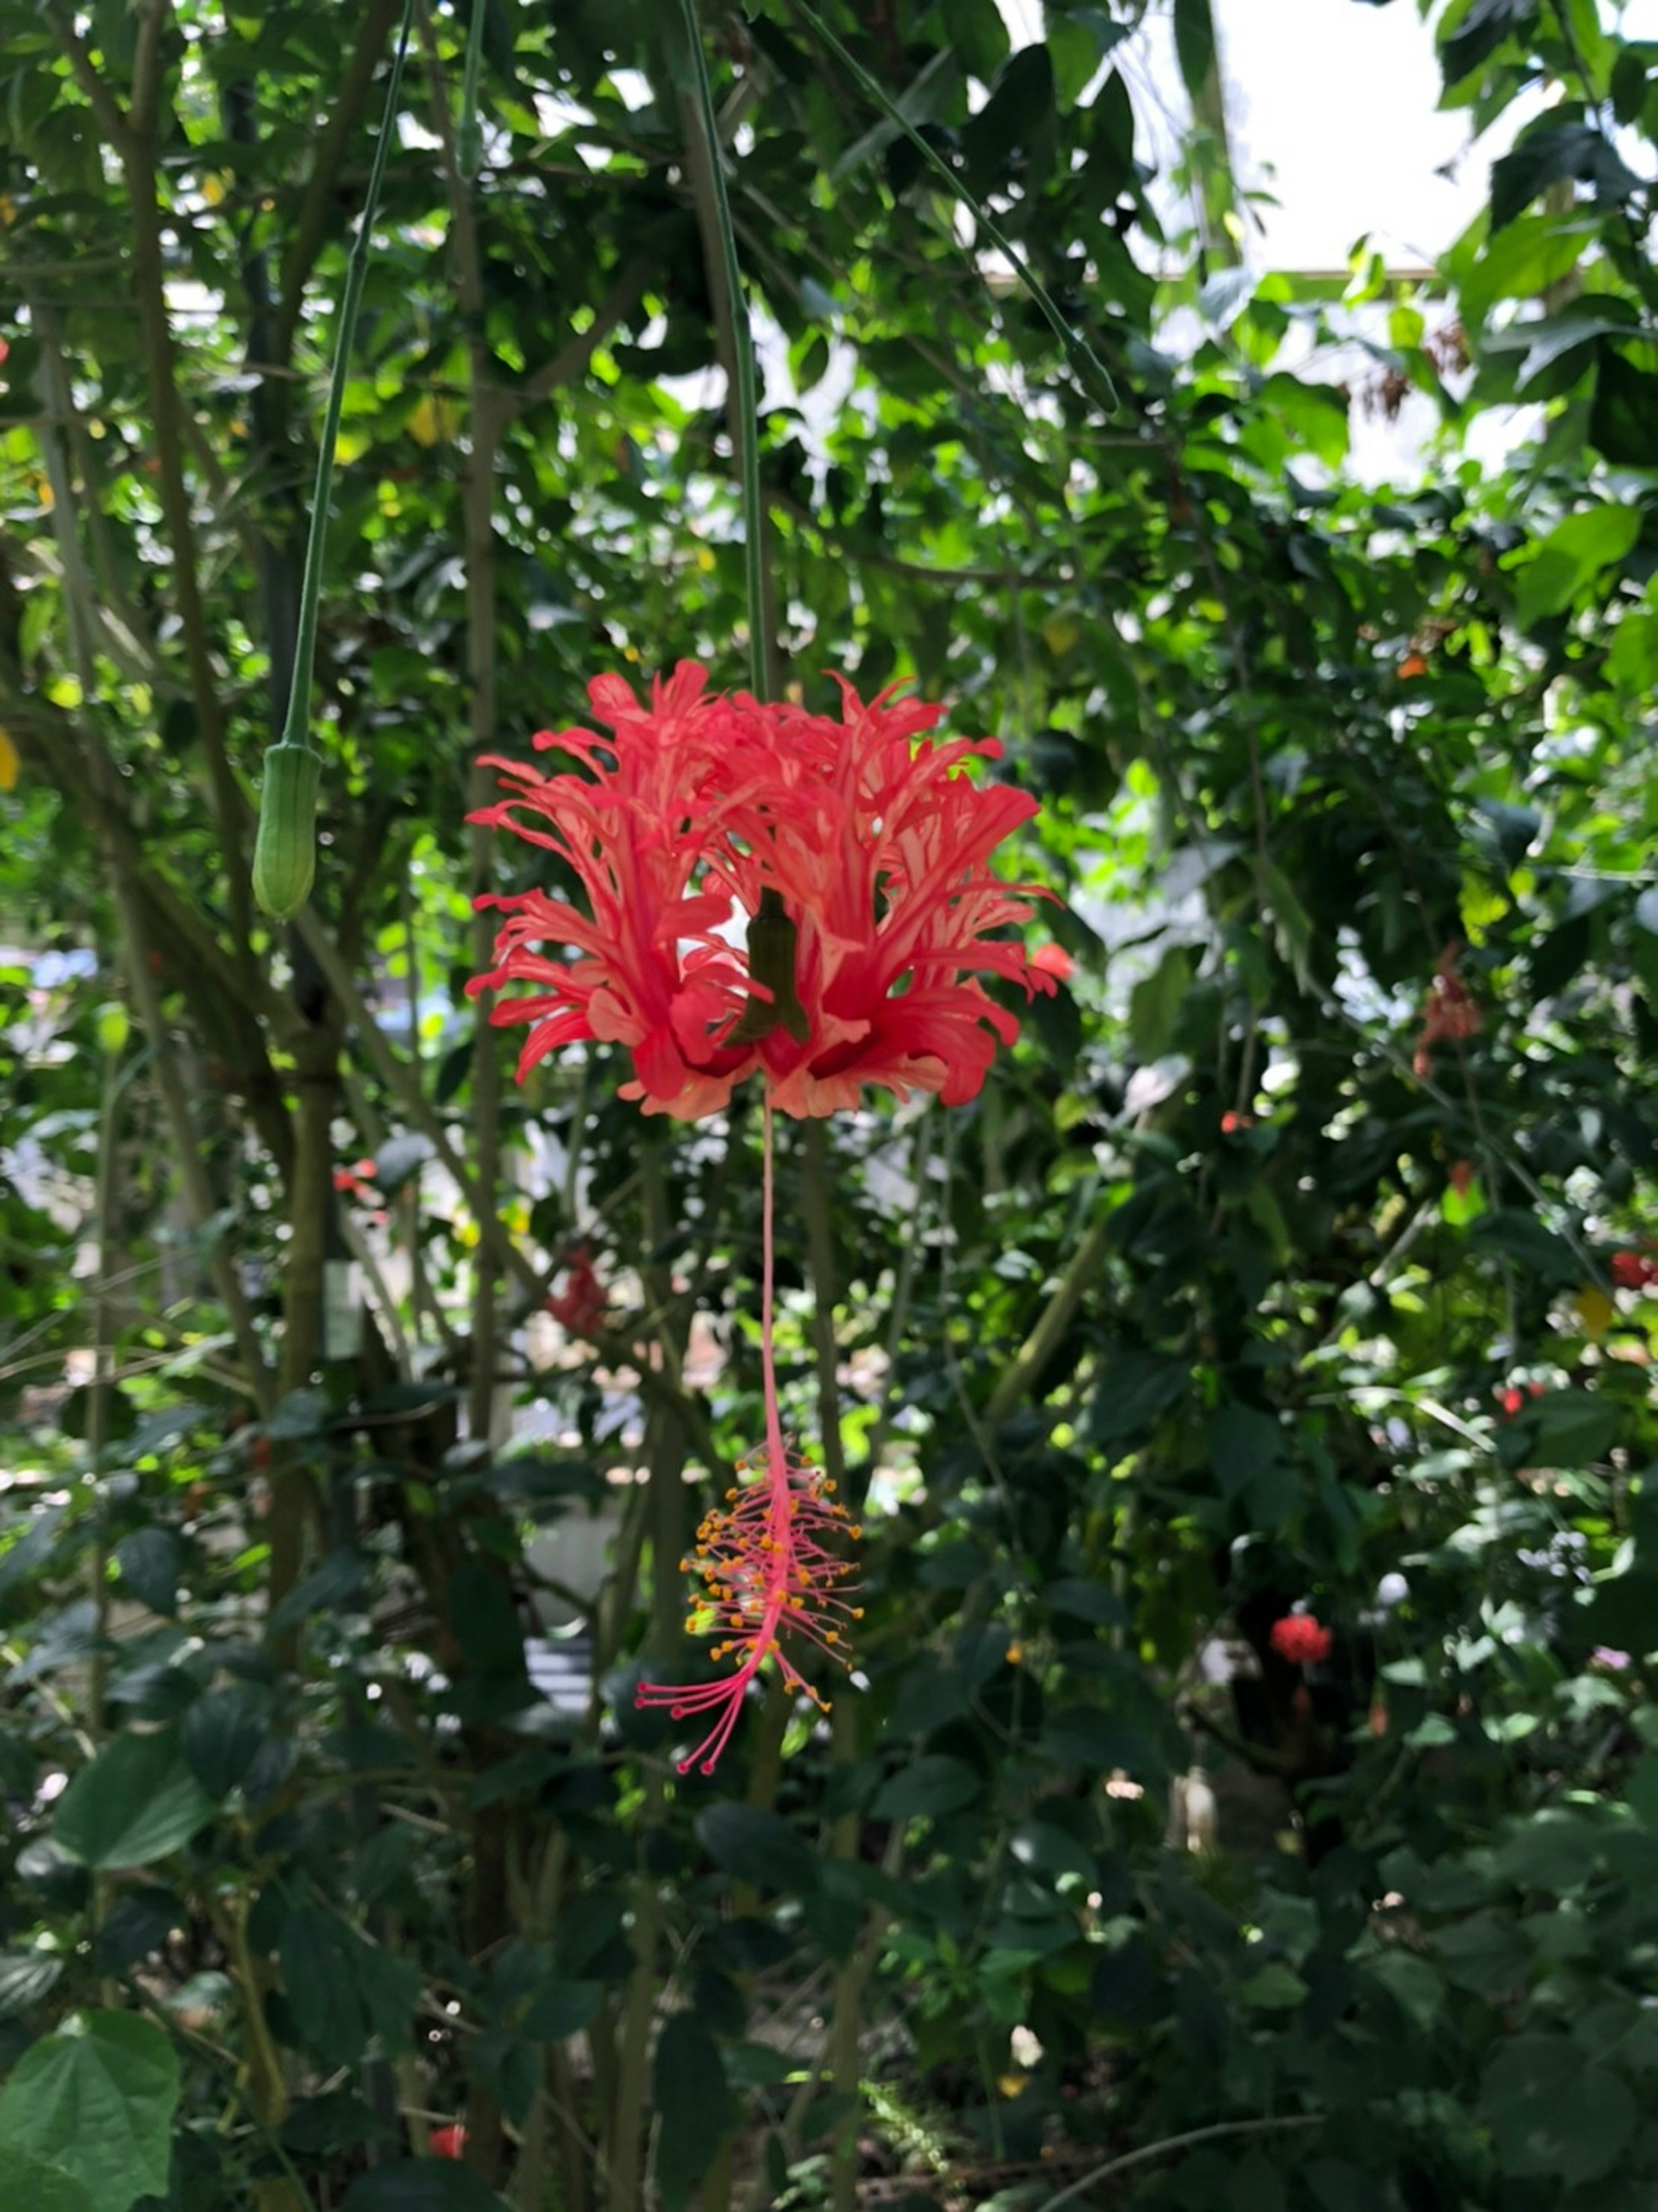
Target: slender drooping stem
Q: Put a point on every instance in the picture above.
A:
(284, 854)
(744, 417)
(296, 729)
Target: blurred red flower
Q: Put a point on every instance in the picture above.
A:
(1301, 1639)
(1448, 1012)
(1633, 1271)
(579, 1306)
(448, 2143)
(1511, 1398)
(696, 809)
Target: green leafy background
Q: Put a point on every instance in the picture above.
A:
(1236, 1292)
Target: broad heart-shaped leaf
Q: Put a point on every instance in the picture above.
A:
(133, 1804)
(421, 2185)
(693, 2107)
(98, 2105)
(45, 2188)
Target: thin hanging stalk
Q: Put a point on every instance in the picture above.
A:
(745, 416)
(285, 852)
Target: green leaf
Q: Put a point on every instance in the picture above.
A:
(1276, 1988)
(99, 2104)
(561, 2009)
(342, 1990)
(26, 1977)
(222, 1733)
(927, 1787)
(1480, 31)
(1552, 2117)
(341, 1575)
(1622, 413)
(1547, 154)
(1195, 43)
(151, 1561)
(694, 2108)
(1053, 1850)
(1135, 1388)
(1629, 85)
(1292, 925)
(1153, 1005)
(136, 1802)
(1573, 553)
(757, 1847)
(1412, 1983)
(976, 30)
(485, 1620)
(44, 2187)
(1245, 1447)
(421, 2185)
(1483, 1953)
(1571, 1428)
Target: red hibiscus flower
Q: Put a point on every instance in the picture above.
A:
(858, 857)
(851, 859)
(1448, 1012)
(1301, 1639)
(578, 1307)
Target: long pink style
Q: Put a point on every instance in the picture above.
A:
(762, 1559)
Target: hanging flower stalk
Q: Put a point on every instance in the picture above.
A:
(857, 851)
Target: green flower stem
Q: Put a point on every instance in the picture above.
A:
(296, 724)
(1086, 365)
(745, 416)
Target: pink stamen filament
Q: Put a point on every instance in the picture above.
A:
(760, 1560)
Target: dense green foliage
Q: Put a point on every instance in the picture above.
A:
(1296, 1257)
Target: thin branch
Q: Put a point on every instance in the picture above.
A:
(1147, 2152)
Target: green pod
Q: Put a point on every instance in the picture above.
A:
(285, 852)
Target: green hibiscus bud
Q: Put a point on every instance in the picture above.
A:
(285, 852)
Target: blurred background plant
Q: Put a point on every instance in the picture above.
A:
(1250, 1797)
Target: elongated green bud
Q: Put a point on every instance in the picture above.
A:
(285, 852)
